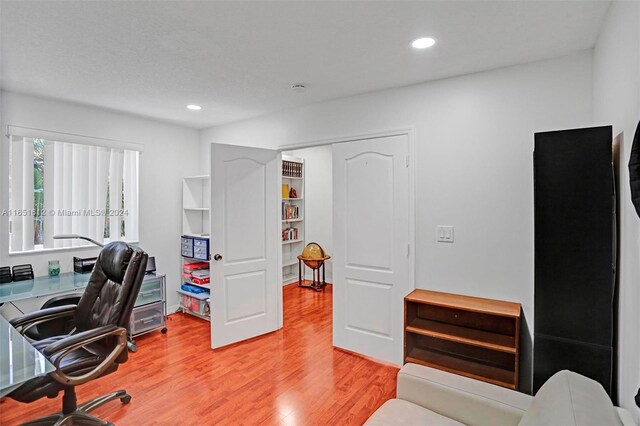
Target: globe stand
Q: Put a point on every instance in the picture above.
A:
(316, 265)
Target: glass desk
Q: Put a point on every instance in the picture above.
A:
(42, 286)
(19, 360)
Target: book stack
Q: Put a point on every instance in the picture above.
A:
(290, 211)
(291, 169)
(289, 234)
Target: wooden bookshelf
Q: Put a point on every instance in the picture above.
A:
(470, 336)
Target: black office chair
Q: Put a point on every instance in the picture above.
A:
(98, 344)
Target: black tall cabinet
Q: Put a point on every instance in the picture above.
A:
(575, 255)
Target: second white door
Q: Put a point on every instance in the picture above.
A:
(371, 245)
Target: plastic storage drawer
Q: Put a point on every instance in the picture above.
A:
(186, 247)
(146, 318)
(150, 292)
(201, 248)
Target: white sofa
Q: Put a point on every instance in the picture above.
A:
(427, 396)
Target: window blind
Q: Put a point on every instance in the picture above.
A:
(84, 189)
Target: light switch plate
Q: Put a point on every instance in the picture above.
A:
(445, 234)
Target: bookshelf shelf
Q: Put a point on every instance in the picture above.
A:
(289, 262)
(207, 286)
(292, 241)
(288, 278)
(293, 175)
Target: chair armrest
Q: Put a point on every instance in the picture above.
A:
(60, 349)
(27, 321)
(79, 338)
(465, 400)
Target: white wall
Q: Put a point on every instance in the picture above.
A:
(170, 151)
(318, 199)
(474, 144)
(616, 95)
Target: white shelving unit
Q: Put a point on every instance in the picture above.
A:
(196, 206)
(292, 248)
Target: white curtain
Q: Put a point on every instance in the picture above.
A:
(75, 189)
(76, 181)
(21, 197)
(116, 167)
(130, 179)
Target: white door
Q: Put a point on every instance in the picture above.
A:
(371, 245)
(244, 243)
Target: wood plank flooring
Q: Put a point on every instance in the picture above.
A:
(290, 377)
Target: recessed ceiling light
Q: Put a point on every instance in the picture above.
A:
(298, 87)
(423, 42)
(194, 107)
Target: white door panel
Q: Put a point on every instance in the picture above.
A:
(371, 237)
(245, 215)
(244, 225)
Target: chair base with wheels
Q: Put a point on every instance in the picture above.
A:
(73, 414)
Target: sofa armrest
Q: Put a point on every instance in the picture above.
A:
(465, 400)
(625, 417)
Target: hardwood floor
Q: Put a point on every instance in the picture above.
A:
(290, 377)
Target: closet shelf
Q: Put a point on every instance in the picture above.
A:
(298, 219)
(292, 241)
(289, 262)
(199, 296)
(293, 199)
(207, 286)
(290, 277)
(195, 314)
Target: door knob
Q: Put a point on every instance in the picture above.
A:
(217, 257)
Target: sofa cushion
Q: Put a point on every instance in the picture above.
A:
(399, 412)
(568, 398)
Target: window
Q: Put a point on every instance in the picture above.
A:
(70, 188)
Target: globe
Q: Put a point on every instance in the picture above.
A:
(313, 255)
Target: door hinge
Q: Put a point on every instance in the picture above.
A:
(408, 249)
(407, 161)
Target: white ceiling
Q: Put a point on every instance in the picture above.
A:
(238, 59)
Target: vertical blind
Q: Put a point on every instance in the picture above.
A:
(79, 182)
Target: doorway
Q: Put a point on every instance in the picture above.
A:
(307, 211)
(358, 205)
(361, 211)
